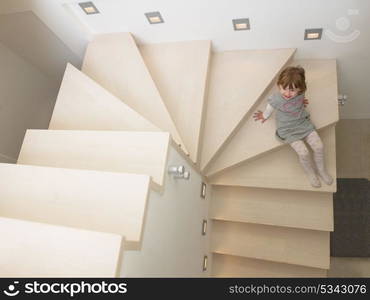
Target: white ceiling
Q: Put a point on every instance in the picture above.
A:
(274, 24)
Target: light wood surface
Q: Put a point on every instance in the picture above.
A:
(114, 61)
(272, 243)
(273, 207)
(179, 71)
(236, 266)
(92, 200)
(83, 104)
(281, 169)
(237, 79)
(30, 249)
(114, 151)
(254, 138)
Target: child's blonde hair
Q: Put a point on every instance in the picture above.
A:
(294, 77)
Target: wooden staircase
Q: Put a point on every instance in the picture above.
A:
(87, 178)
(57, 251)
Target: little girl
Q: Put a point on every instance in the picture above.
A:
(293, 122)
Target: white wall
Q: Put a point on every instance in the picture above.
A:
(27, 99)
(173, 245)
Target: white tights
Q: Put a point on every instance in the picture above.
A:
(304, 156)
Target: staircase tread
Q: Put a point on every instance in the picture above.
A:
(273, 207)
(236, 266)
(42, 250)
(85, 105)
(181, 84)
(92, 200)
(272, 243)
(280, 169)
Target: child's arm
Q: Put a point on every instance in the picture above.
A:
(259, 115)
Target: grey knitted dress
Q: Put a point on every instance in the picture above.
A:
(292, 120)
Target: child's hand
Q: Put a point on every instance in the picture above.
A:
(259, 116)
(305, 102)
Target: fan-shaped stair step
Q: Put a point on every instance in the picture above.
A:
(92, 200)
(83, 104)
(179, 71)
(114, 61)
(113, 151)
(237, 79)
(272, 243)
(236, 266)
(273, 207)
(30, 249)
(280, 169)
(254, 138)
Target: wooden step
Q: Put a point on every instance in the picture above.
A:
(92, 200)
(237, 79)
(30, 249)
(83, 104)
(114, 61)
(254, 138)
(236, 266)
(179, 71)
(273, 207)
(272, 243)
(281, 169)
(113, 151)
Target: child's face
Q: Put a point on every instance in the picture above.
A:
(288, 92)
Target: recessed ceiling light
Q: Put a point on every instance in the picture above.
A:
(154, 17)
(88, 7)
(241, 24)
(313, 34)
